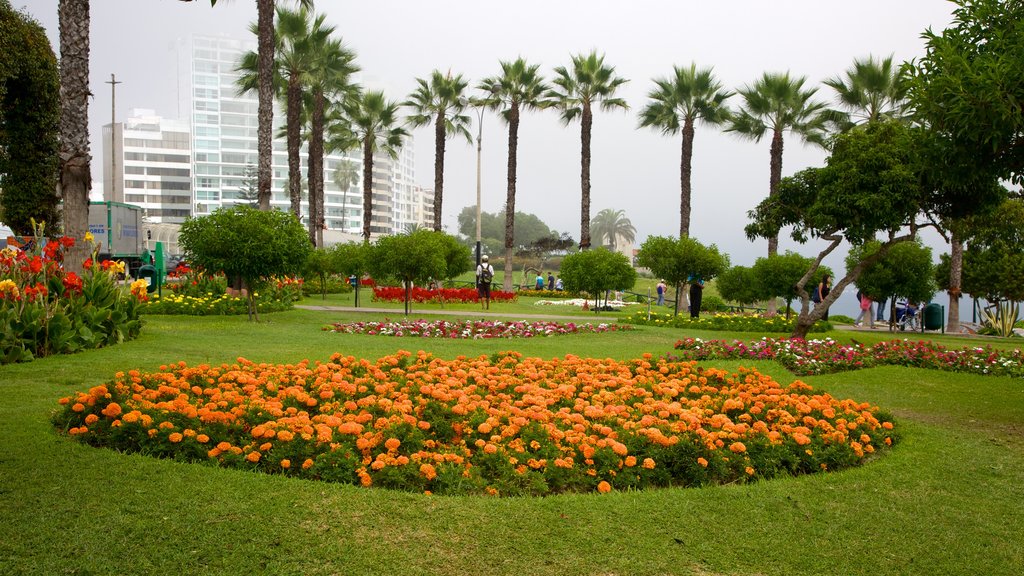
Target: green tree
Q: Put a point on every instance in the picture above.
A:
(871, 90)
(680, 260)
(777, 103)
(738, 284)
(29, 123)
(457, 257)
(519, 87)
(440, 101)
(248, 191)
(597, 271)
(905, 271)
(610, 225)
(588, 83)
(246, 243)
(375, 124)
(321, 263)
(677, 104)
(351, 259)
(408, 258)
(777, 276)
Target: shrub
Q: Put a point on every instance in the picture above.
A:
(722, 321)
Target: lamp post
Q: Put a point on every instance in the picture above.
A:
(479, 139)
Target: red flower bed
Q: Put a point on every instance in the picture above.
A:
(421, 295)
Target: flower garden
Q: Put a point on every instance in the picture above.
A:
(722, 322)
(438, 296)
(807, 357)
(470, 328)
(500, 425)
(199, 294)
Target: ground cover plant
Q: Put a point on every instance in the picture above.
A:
(470, 328)
(946, 499)
(200, 294)
(806, 357)
(437, 295)
(721, 321)
(503, 424)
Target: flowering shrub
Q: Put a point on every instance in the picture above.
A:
(469, 328)
(723, 321)
(46, 310)
(497, 425)
(200, 294)
(421, 295)
(549, 293)
(806, 357)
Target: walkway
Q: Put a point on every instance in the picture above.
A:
(470, 313)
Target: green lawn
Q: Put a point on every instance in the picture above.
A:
(949, 499)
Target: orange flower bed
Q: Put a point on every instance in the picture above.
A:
(490, 425)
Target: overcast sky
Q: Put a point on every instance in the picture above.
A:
(633, 170)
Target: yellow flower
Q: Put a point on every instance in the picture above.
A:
(89, 237)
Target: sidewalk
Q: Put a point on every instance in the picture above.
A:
(466, 313)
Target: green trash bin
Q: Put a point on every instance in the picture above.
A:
(147, 272)
(933, 317)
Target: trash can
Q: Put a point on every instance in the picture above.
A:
(933, 317)
(147, 272)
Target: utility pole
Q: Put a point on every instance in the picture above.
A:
(113, 141)
(479, 139)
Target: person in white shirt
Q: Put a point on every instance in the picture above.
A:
(484, 276)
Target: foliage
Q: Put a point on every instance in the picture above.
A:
(417, 257)
(529, 228)
(677, 261)
(596, 271)
(777, 276)
(200, 294)
(320, 264)
(475, 329)
(993, 265)
(333, 284)
(610, 225)
(808, 357)
(46, 310)
(374, 121)
(872, 90)
(738, 284)
(29, 123)
(457, 259)
(905, 271)
(436, 296)
(246, 243)
(721, 322)
(404, 422)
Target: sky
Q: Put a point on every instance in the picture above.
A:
(635, 170)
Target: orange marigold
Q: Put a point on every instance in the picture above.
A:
(286, 463)
(649, 463)
(603, 486)
(202, 438)
(91, 419)
(307, 463)
(175, 437)
(253, 456)
(702, 462)
(738, 447)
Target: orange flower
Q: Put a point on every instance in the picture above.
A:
(392, 444)
(223, 446)
(603, 486)
(630, 461)
(750, 470)
(428, 471)
(175, 437)
(286, 463)
(78, 407)
(649, 463)
(202, 438)
(738, 447)
(702, 462)
(91, 419)
(253, 456)
(307, 463)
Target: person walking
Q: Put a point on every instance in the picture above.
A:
(551, 281)
(484, 277)
(865, 311)
(540, 281)
(880, 311)
(696, 295)
(661, 292)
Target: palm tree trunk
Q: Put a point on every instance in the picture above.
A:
(294, 164)
(510, 199)
(75, 178)
(773, 187)
(316, 163)
(586, 124)
(439, 141)
(367, 185)
(956, 269)
(265, 110)
(685, 172)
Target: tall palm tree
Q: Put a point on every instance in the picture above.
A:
(678, 102)
(75, 178)
(375, 123)
(519, 87)
(577, 90)
(611, 225)
(776, 103)
(871, 90)
(265, 94)
(440, 100)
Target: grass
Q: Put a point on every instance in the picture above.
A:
(949, 499)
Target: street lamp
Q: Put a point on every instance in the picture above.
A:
(479, 139)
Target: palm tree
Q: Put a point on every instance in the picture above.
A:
(778, 103)
(265, 94)
(518, 88)
(677, 103)
(345, 176)
(589, 82)
(611, 225)
(75, 178)
(441, 101)
(872, 90)
(374, 122)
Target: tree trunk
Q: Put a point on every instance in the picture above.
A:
(956, 269)
(586, 123)
(685, 172)
(510, 199)
(439, 142)
(75, 177)
(311, 200)
(294, 143)
(316, 163)
(773, 187)
(367, 185)
(265, 110)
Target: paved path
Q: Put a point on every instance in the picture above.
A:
(470, 313)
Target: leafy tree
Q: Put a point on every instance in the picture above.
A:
(247, 244)
(29, 123)
(777, 276)
(738, 284)
(597, 271)
(408, 258)
(321, 263)
(374, 122)
(529, 227)
(519, 87)
(248, 191)
(440, 101)
(588, 83)
(352, 259)
(678, 102)
(680, 260)
(609, 225)
(457, 258)
(872, 90)
(905, 271)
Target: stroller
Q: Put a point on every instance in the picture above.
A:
(907, 316)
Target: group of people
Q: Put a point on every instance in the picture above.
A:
(485, 277)
(552, 284)
(696, 294)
